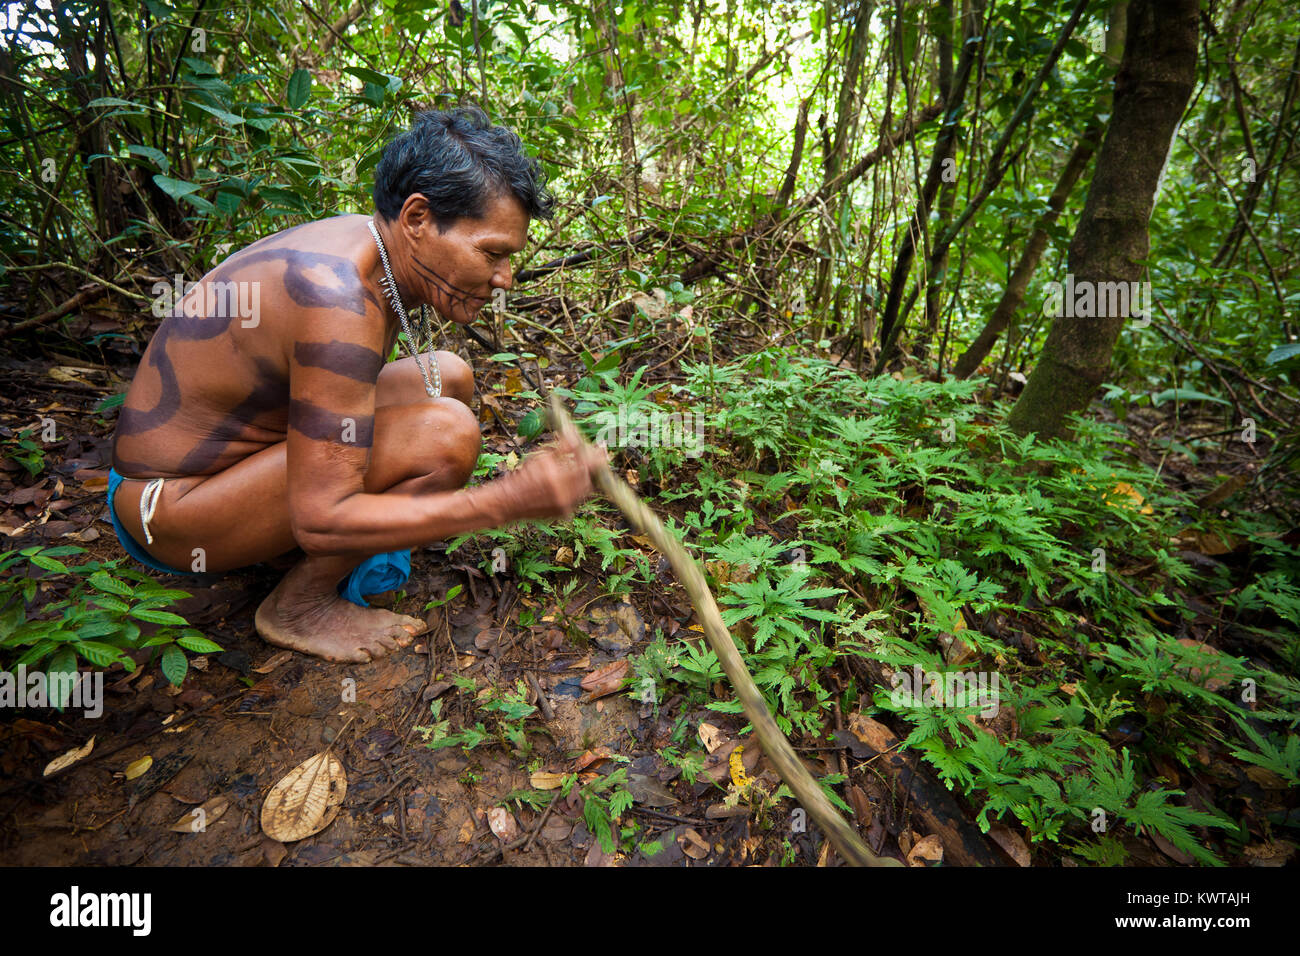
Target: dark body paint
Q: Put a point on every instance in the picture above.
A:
(270, 396)
(434, 278)
(343, 358)
(321, 424)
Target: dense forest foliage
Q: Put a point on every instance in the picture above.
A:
(988, 312)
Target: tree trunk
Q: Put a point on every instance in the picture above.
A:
(944, 145)
(1152, 88)
(846, 114)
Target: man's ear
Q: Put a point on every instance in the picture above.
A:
(415, 216)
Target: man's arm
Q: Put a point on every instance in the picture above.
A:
(334, 361)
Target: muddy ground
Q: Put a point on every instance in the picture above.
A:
(217, 736)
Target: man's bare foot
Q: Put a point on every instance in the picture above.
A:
(315, 620)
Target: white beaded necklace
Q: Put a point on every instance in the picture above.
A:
(434, 387)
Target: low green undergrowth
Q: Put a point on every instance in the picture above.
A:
(57, 616)
(897, 521)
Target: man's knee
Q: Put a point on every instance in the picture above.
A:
(457, 377)
(454, 449)
(402, 383)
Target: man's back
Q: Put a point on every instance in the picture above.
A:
(213, 384)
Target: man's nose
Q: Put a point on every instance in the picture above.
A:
(504, 276)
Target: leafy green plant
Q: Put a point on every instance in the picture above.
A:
(98, 619)
(507, 712)
(25, 452)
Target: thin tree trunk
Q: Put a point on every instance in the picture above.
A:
(938, 266)
(1014, 294)
(1154, 83)
(997, 168)
(845, 112)
(943, 150)
(1255, 184)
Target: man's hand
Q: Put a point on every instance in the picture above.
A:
(551, 483)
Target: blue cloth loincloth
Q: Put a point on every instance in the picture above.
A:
(374, 575)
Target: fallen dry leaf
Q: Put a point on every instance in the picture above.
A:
(592, 756)
(546, 780)
(861, 805)
(605, 680)
(69, 758)
(598, 857)
(274, 851)
(693, 845)
(928, 851)
(871, 732)
(274, 661)
(138, 768)
(647, 790)
(198, 819)
(1169, 850)
(306, 800)
(711, 737)
(502, 824)
(1012, 842)
(1276, 853)
(1124, 495)
(1266, 778)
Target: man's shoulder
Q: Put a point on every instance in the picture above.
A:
(315, 261)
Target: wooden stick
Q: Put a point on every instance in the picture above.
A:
(76, 302)
(770, 737)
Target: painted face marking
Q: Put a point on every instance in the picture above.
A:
(435, 279)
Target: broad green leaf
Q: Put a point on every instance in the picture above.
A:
(175, 665)
(200, 67)
(112, 101)
(158, 617)
(199, 645)
(230, 119)
(47, 563)
(532, 424)
(1283, 352)
(1184, 395)
(155, 156)
(102, 581)
(176, 188)
(299, 87)
(101, 655)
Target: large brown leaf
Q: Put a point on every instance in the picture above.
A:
(307, 800)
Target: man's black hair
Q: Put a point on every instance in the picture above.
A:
(458, 161)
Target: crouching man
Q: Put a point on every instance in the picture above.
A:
(247, 437)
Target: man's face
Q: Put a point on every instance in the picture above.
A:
(461, 267)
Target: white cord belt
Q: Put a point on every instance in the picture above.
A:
(148, 505)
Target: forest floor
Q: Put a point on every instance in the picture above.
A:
(244, 718)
